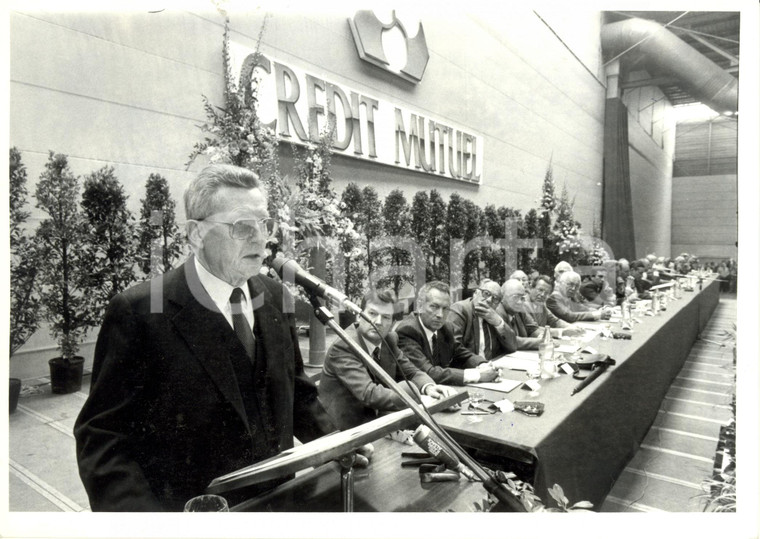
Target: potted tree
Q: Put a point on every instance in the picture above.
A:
(67, 304)
(110, 249)
(24, 304)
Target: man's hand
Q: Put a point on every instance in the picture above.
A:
(487, 372)
(364, 456)
(484, 311)
(573, 331)
(439, 392)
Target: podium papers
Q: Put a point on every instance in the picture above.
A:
(663, 285)
(325, 449)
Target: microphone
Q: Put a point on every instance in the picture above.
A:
(422, 437)
(289, 271)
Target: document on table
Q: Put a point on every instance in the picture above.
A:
(517, 361)
(505, 386)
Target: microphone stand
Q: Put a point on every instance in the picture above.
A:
(498, 490)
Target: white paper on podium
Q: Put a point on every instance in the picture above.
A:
(505, 386)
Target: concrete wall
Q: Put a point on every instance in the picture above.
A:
(124, 89)
(651, 138)
(705, 219)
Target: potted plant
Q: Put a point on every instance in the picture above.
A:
(24, 304)
(67, 304)
(110, 248)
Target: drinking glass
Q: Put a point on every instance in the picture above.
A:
(207, 503)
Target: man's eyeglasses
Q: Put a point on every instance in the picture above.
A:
(488, 296)
(516, 297)
(244, 229)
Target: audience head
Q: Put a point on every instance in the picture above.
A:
(521, 276)
(638, 268)
(488, 291)
(513, 295)
(379, 306)
(541, 289)
(568, 283)
(561, 268)
(433, 303)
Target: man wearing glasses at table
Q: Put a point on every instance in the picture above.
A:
(478, 326)
(515, 314)
(197, 373)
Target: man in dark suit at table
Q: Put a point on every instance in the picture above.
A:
(478, 326)
(427, 338)
(197, 373)
(348, 390)
(564, 307)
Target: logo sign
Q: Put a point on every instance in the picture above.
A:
(299, 106)
(391, 45)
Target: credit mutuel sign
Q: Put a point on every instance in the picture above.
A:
(299, 104)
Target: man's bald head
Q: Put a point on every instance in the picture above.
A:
(513, 295)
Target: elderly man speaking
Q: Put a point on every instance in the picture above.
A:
(198, 372)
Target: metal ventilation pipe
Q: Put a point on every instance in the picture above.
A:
(664, 52)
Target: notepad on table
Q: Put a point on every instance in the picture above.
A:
(517, 361)
(505, 386)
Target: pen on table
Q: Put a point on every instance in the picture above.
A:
(590, 378)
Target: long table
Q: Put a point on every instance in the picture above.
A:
(581, 442)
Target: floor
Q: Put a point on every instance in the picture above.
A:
(677, 453)
(665, 474)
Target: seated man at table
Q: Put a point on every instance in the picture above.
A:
(350, 393)
(513, 310)
(522, 277)
(596, 290)
(640, 281)
(564, 307)
(535, 305)
(427, 339)
(477, 325)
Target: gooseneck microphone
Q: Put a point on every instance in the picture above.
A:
(422, 437)
(290, 272)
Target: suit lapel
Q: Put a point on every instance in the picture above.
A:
(207, 334)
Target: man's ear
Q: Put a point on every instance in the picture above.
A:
(194, 234)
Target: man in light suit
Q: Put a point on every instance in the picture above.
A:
(561, 302)
(348, 390)
(427, 339)
(197, 373)
(478, 326)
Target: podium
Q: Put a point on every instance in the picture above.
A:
(336, 446)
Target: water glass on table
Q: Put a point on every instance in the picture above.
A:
(206, 503)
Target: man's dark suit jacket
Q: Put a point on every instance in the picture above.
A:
(466, 330)
(350, 392)
(522, 325)
(175, 402)
(453, 357)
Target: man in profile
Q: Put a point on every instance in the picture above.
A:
(521, 276)
(197, 373)
(515, 314)
(349, 391)
(427, 339)
(561, 302)
(478, 326)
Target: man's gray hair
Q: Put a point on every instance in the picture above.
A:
(201, 195)
(432, 285)
(568, 275)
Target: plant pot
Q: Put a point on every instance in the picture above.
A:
(66, 376)
(13, 393)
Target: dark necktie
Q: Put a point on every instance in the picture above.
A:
(486, 339)
(376, 354)
(240, 323)
(435, 348)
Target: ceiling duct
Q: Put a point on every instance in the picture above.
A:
(663, 53)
